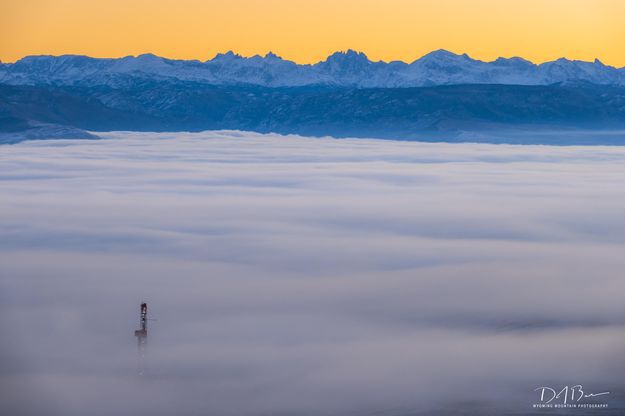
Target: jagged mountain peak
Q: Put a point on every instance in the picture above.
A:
(348, 55)
(272, 56)
(346, 68)
(148, 55)
(443, 55)
(514, 61)
(145, 59)
(227, 56)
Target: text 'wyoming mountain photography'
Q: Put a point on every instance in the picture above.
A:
(312, 208)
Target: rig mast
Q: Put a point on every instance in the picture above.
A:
(142, 337)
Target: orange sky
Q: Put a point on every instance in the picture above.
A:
(307, 30)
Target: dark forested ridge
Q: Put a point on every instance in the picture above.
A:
(475, 112)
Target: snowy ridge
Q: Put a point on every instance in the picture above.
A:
(349, 69)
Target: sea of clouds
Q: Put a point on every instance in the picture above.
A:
(299, 276)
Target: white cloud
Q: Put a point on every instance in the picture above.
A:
(312, 275)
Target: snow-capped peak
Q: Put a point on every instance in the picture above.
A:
(346, 68)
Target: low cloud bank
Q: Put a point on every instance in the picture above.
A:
(290, 275)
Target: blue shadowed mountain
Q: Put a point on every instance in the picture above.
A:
(441, 96)
(347, 69)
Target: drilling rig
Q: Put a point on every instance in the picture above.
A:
(142, 337)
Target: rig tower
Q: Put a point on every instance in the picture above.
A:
(142, 337)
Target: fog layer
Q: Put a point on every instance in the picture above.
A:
(289, 275)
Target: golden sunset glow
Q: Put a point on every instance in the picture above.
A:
(307, 31)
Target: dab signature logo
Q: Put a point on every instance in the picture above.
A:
(568, 397)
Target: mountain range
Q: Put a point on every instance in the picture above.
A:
(345, 69)
(441, 96)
